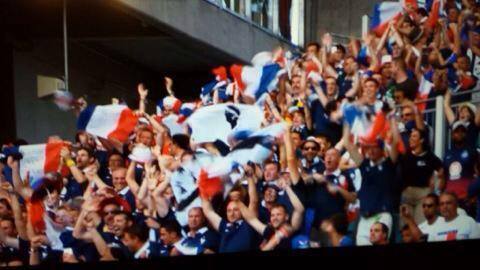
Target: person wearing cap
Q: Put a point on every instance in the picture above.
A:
(386, 69)
(459, 165)
(310, 161)
(468, 114)
(377, 191)
(298, 114)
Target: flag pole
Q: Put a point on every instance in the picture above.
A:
(65, 45)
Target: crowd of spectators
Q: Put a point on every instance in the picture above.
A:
(322, 186)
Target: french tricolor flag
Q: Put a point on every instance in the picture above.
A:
(39, 160)
(426, 85)
(109, 121)
(185, 111)
(220, 82)
(386, 11)
(435, 13)
(255, 81)
(170, 103)
(256, 148)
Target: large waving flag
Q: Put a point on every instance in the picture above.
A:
(435, 13)
(383, 13)
(424, 89)
(184, 184)
(109, 121)
(174, 124)
(39, 159)
(257, 80)
(367, 127)
(218, 122)
(220, 83)
(386, 11)
(256, 148)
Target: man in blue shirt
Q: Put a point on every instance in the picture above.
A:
(376, 193)
(236, 235)
(77, 181)
(311, 162)
(330, 192)
(459, 164)
(337, 228)
(276, 234)
(197, 236)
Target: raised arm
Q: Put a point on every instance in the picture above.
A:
(18, 186)
(449, 114)
(298, 209)
(100, 244)
(382, 41)
(130, 178)
(351, 148)
(92, 177)
(142, 93)
(251, 218)
(161, 203)
(321, 95)
(395, 139)
(76, 172)
(20, 224)
(408, 219)
(210, 214)
(477, 117)
(349, 197)
(252, 191)
(419, 123)
(292, 163)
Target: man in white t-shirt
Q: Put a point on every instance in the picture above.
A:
(430, 212)
(454, 226)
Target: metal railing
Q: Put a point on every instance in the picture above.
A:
(434, 116)
(265, 14)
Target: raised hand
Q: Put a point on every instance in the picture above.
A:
(327, 40)
(169, 85)
(142, 91)
(65, 153)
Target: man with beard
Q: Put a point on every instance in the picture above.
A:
(77, 181)
(277, 233)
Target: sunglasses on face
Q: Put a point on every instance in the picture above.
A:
(109, 212)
